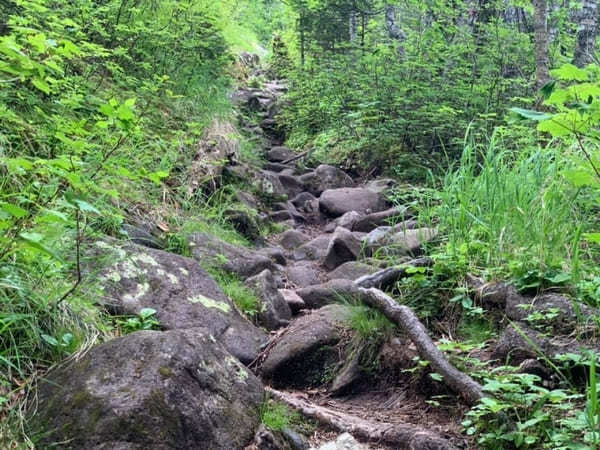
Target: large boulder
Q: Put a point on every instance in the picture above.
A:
(334, 291)
(314, 249)
(269, 185)
(151, 389)
(183, 294)
(280, 154)
(303, 274)
(211, 251)
(292, 239)
(343, 247)
(274, 311)
(336, 202)
(325, 177)
(308, 348)
(352, 270)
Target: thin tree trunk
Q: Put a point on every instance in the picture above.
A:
(353, 25)
(542, 59)
(585, 44)
(393, 30)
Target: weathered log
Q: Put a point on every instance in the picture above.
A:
(389, 276)
(406, 319)
(400, 436)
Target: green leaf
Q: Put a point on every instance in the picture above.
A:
(49, 340)
(569, 72)
(14, 210)
(580, 177)
(41, 85)
(531, 115)
(34, 241)
(80, 203)
(436, 376)
(592, 237)
(145, 313)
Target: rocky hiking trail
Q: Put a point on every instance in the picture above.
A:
(202, 381)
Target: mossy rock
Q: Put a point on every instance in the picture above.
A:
(150, 389)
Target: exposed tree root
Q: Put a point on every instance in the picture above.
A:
(406, 319)
(400, 436)
(386, 277)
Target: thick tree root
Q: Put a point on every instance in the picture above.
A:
(386, 277)
(399, 436)
(406, 319)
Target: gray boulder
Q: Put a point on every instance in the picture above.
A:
(303, 274)
(293, 300)
(325, 177)
(307, 349)
(211, 251)
(183, 294)
(352, 270)
(382, 185)
(292, 239)
(343, 247)
(280, 154)
(314, 249)
(274, 312)
(336, 202)
(306, 202)
(150, 389)
(334, 291)
(407, 242)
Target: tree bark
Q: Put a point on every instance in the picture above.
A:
(542, 59)
(585, 43)
(353, 25)
(406, 319)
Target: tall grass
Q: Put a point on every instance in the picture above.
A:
(502, 209)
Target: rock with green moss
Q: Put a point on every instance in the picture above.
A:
(183, 294)
(150, 389)
(274, 311)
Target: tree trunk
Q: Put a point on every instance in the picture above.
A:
(353, 25)
(585, 44)
(542, 60)
(393, 30)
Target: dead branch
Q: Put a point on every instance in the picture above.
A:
(386, 277)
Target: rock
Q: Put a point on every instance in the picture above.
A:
(246, 199)
(336, 202)
(250, 60)
(306, 202)
(343, 247)
(277, 167)
(280, 154)
(281, 216)
(314, 249)
(295, 440)
(151, 389)
(275, 254)
(408, 242)
(291, 185)
(382, 185)
(303, 274)
(333, 291)
(141, 235)
(517, 345)
(372, 221)
(343, 442)
(348, 375)
(183, 294)
(240, 172)
(293, 300)
(352, 270)
(301, 356)
(216, 146)
(268, 185)
(274, 311)
(325, 177)
(265, 439)
(292, 239)
(348, 220)
(244, 222)
(558, 311)
(211, 251)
